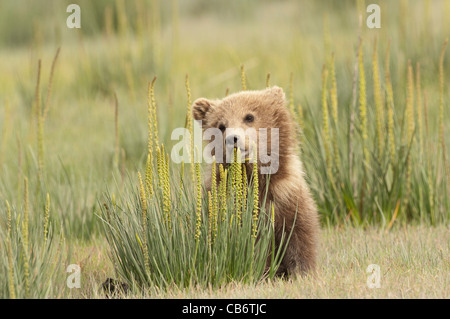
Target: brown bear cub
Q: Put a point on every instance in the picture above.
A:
(287, 189)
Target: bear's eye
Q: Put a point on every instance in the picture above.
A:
(222, 127)
(249, 118)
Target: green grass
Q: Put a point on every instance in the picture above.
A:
(32, 253)
(154, 247)
(394, 181)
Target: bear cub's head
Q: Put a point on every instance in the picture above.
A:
(246, 119)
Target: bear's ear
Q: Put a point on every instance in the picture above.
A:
(200, 107)
(276, 92)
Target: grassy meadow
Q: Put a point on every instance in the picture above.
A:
(86, 117)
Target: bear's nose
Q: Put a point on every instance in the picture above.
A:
(232, 140)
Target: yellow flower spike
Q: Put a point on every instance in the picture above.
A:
(167, 169)
(334, 107)
(163, 157)
(215, 201)
(12, 292)
(390, 105)
(210, 218)
(166, 193)
(198, 210)
(223, 191)
(50, 85)
(363, 103)
(410, 103)
(255, 193)
(40, 125)
(214, 183)
(151, 119)
(379, 104)
(243, 80)
(144, 224)
(333, 91)
(238, 185)
(233, 172)
(143, 197)
(46, 218)
(244, 187)
(160, 165)
(326, 125)
(154, 117)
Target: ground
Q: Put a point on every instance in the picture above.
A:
(414, 263)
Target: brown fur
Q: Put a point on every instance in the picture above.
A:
(287, 187)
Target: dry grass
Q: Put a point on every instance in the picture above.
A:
(413, 260)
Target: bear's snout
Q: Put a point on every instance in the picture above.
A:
(232, 140)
